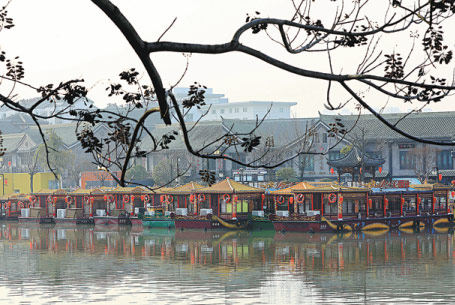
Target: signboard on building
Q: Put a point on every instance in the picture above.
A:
(393, 184)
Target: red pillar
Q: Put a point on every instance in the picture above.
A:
(367, 207)
(322, 204)
(447, 202)
(384, 205)
(418, 204)
(186, 204)
(401, 205)
(312, 197)
(340, 207)
(178, 202)
(433, 202)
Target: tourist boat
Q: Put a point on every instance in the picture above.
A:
(337, 208)
(43, 206)
(117, 206)
(12, 206)
(79, 205)
(224, 205)
(165, 201)
(284, 202)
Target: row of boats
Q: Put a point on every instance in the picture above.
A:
(230, 205)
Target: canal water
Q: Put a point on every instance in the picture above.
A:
(44, 265)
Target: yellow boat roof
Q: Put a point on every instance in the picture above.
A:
(187, 188)
(50, 192)
(230, 186)
(334, 187)
(288, 191)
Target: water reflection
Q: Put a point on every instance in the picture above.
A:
(47, 264)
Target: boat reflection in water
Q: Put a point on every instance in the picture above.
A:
(82, 264)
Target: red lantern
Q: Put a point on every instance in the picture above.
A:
(105, 197)
(340, 199)
(360, 170)
(452, 193)
(440, 177)
(191, 197)
(55, 199)
(453, 182)
(236, 198)
(380, 169)
(291, 200)
(332, 171)
(132, 198)
(142, 197)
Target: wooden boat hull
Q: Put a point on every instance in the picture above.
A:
(36, 220)
(318, 224)
(210, 222)
(113, 220)
(9, 218)
(259, 224)
(158, 223)
(73, 221)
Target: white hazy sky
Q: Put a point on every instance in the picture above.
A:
(64, 39)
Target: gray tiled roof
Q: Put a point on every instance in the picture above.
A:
(353, 158)
(283, 131)
(434, 125)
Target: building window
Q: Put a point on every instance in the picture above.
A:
(230, 110)
(444, 160)
(236, 109)
(307, 162)
(245, 109)
(334, 155)
(281, 110)
(222, 111)
(316, 137)
(374, 154)
(407, 160)
(324, 137)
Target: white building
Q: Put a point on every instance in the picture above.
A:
(218, 107)
(47, 108)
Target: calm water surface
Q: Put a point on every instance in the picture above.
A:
(43, 265)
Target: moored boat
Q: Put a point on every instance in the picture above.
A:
(117, 206)
(166, 201)
(224, 205)
(337, 208)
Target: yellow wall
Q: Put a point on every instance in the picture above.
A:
(20, 182)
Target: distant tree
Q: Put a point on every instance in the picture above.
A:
(137, 172)
(286, 174)
(424, 159)
(79, 163)
(31, 164)
(164, 172)
(56, 157)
